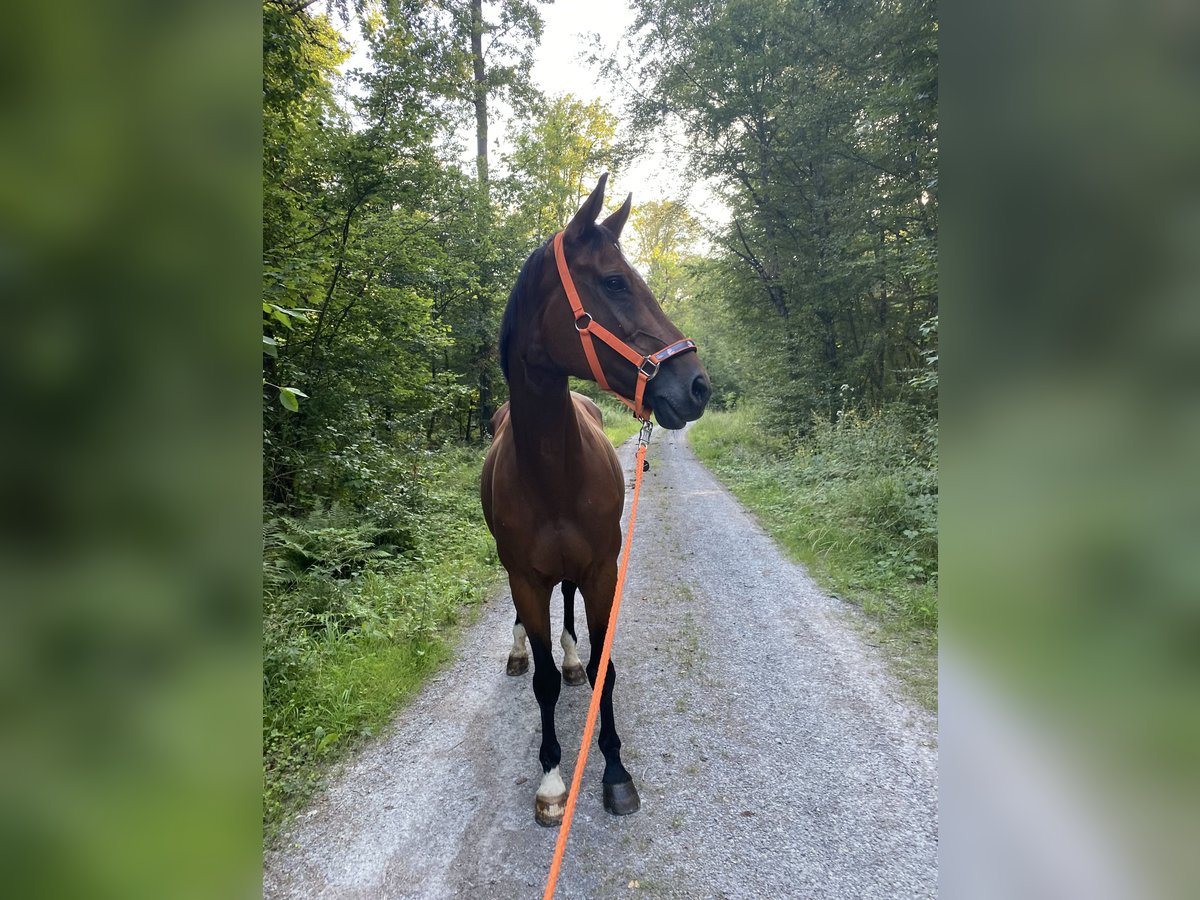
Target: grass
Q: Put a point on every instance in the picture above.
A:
(857, 504)
(620, 425)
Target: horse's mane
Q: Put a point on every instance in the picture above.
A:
(528, 283)
(518, 301)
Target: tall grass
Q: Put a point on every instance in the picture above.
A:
(856, 502)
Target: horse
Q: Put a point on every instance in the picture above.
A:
(552, 488)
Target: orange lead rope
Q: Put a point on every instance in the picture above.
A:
(564, 830)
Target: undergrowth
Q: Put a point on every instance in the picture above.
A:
(357, 611)
(856, 502)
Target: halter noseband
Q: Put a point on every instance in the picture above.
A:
(647, 366)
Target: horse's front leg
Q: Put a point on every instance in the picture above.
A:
(533, 609)
(620, 795)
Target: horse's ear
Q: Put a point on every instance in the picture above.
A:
(586, 217)
(616, 221)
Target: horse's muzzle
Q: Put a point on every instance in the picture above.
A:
(680, 392)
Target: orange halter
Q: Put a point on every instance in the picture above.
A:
(647, 366)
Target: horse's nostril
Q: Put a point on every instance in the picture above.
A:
(701, 389)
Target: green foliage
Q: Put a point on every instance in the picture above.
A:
(356, 612)
(555, 162)
(816, 315)
(818, 121)
(856, 500)
(619, 424)
(663, 234)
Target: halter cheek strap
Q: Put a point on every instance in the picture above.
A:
(647, 366)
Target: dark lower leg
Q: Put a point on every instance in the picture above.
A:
(620, 795)
(610, 741)
(550, 801)
(547, 684)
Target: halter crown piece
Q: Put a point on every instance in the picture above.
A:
(647, 366)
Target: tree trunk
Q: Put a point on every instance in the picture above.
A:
(481, 121)
(483, 352)
(485, 408)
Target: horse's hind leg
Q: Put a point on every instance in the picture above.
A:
(572, 668)
(518, 657)
(620, 796)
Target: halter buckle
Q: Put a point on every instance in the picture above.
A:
(648, 367)
(586, 324)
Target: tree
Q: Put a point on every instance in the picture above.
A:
(356, 201)
(501, 54)
(820, 120)
(665, 234)
(555, 161)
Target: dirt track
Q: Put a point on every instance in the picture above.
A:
(774, 755)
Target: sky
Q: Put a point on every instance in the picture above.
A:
(655, 175)
(558, 69)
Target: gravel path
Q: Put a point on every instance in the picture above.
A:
(774, 755)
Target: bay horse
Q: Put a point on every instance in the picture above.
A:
(552, 487)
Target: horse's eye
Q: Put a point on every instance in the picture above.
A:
(615, 283)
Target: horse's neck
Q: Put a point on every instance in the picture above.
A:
(544, 426)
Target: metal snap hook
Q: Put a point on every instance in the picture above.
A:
(644, 433)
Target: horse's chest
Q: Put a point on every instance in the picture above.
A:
(559, 540)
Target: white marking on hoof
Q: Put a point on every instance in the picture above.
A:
(518, 648)
(552, 785)
(570, 656)
(550, 804)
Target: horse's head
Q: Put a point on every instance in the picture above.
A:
(616, 297)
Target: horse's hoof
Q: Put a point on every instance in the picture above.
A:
(574, 675)
(549, 810)
(517, 665)
(621, 799)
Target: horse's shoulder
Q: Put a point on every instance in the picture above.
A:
(499, 418)
(585, 404)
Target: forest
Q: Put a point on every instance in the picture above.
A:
(395, 222)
